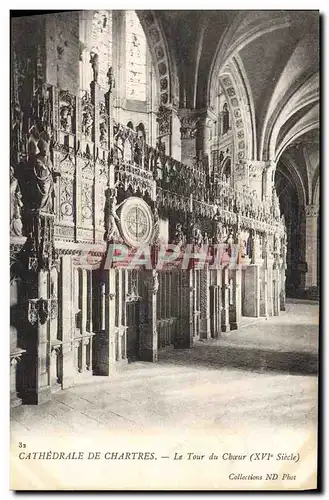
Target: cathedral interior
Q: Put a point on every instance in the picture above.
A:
(156, 127)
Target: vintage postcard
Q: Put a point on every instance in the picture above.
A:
(164, 250)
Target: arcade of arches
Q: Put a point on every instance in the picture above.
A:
(180, 127)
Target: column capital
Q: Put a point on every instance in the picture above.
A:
(189, 119)
(312, 210)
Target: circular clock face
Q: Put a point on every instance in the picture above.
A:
(136, 222)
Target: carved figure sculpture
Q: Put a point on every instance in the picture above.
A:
(42, 178)
(110, 79)
(179, 235)
(94, 61)
(15, 206)
(111, 216)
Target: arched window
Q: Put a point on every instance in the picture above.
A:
(140, 129)
(130, 125)
(96, 38)
(136, 58)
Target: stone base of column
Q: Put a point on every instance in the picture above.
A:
(34, 397)
(103, 362)
(149, 355)
(215, 311)
(184, 337)
(14, 400)
(205, 328)
(270, 287)
(185, 343)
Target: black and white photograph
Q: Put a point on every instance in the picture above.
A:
(164, 250)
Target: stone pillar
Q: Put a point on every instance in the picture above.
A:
(38, 315)
(270, 285)
(216, 303)
(188, 133)
(184, 338)
(268, 180)
(283, 272)
(225, 301)
(106, 361)
(263, 291)
(235, 300)
(102, 305)
(66, 321)
(83, 330)
(251, 290)
(311, 254)
(176, 147)
(255, 177)
(169, 131)
(148, 345)
(15, 357)
(276, 288)
(205, 304)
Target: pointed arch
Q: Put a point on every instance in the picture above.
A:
(234, 83)
(164, 63)
(297, 88)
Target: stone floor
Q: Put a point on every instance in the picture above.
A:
(198, 400)
(202, 384)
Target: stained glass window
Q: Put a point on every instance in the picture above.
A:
(101, 42)
(136, 50)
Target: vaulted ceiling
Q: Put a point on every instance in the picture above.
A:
(277, 55)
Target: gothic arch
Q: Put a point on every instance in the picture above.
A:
(234, 84)
(296, 177)
(316, 187)
(164, 65)
(297, 88)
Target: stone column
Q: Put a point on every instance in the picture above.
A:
(106, 361)
(235, 302)
(66, 321)
(263, 309)
(216, 303)
(39, 317)
(184, 339)
(205, 304)
(251, 280)
(148, 345)
(311, 254)
(102, 306)
(188, 132)
(225, 301)
(169, 131)
(89, 300)
(205, 124)
(268, 180)
(251, 291)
